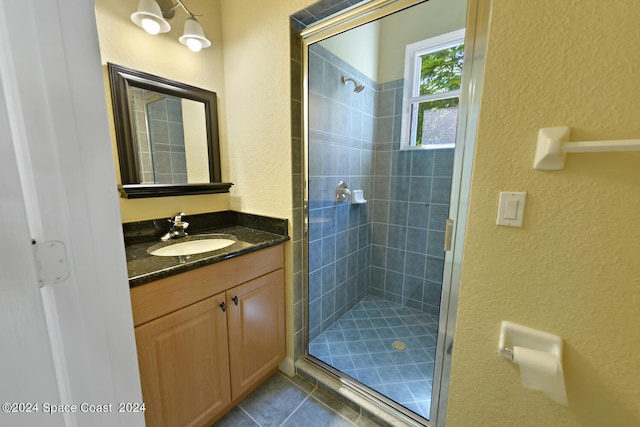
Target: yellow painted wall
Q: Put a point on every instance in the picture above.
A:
(257, 74)
(123, 43)
(359, 47)
(194, 122)
(573, 269)
(377, 49)
(257, 70)
(428, 19)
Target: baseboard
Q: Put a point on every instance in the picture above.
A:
(287, 367)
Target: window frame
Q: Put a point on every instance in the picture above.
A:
(412, 67)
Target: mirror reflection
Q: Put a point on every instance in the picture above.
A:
(171, 141)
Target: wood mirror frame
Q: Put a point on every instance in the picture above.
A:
(121, 79)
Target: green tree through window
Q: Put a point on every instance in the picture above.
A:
(440, 72)
(433, 71)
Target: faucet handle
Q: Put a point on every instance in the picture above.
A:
(176, 218)
(178, 227)
(178, 222)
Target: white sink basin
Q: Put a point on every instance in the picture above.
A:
(192, 245)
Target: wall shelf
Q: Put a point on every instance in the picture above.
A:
(553, 147)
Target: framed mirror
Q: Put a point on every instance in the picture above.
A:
(166, 134)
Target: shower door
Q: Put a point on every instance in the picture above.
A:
(377, 207)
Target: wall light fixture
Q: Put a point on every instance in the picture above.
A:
(154, 20)
(193, 36)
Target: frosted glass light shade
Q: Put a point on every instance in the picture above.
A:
(151, 26)
(193, 36)
(149, 17)
(194, 45)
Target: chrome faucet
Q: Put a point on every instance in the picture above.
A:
(178, 227)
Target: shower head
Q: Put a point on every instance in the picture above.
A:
(358, 87)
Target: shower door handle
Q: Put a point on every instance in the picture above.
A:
(448, 233)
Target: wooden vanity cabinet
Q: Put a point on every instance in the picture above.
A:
(207, 337)
(256, 345)
(184, 365)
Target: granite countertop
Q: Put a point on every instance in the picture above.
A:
(253, 233)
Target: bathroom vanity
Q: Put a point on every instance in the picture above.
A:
(209, 329)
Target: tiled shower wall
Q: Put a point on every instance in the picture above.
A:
(341, 136)
(297, 189)
(159, 126)
(393, 246)
(427, 217)
(298, 21)
(410, 207)
(167, 140)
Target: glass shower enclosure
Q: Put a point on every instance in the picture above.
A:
(377, 210)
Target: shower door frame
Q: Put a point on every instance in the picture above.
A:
(476, 35)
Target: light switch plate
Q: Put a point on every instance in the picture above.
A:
(511, 208)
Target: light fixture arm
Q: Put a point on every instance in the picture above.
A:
(169, 13)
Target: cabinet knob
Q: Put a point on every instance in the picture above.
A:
(223, 306)
(235, 300)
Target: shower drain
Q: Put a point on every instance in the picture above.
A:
(399, 345)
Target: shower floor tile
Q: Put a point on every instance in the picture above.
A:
(361, 344)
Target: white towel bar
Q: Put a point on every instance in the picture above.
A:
(553, 147)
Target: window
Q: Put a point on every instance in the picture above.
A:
(433, 70)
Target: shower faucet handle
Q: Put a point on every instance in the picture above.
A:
(342, 192)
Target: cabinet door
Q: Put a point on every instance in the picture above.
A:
(184, 365)
(256, 329)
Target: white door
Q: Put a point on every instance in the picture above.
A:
(26, 367)
(66, 329)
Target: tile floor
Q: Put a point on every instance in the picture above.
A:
(284, 401)
(361, 344)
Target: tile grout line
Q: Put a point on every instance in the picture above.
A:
(422, 382)
(334, 411)
(294, 411)
(315, 387)
(249, 415)
(295, 386)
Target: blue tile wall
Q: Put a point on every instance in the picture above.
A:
(423, 219)
(322, 9)
(410, 205)
(391, 247)
(166, 138)
(340, 149)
